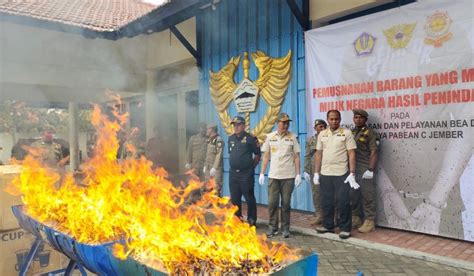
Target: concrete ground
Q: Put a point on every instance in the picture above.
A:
(383, 252)
(337, 257)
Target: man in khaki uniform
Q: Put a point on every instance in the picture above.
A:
(196, 154)
(363, 200)
(310, 150)
(283, 149)
(152, 150)
(214, 164)
(336, 162)
(49, 152)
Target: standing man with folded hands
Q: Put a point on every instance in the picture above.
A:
(310, 150)
(283, 149)
(335, 165)
(196, 153)
(214, 163)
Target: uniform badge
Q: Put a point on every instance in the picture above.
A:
(437, 29)
(399, 36)
(364, 44)
(274, 149)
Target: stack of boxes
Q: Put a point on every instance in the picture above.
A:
(15, 242)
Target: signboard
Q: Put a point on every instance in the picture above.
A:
(412, 69)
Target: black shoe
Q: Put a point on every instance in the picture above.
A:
(272, 232)
(322, 230)
(252, 222)
(285, 234)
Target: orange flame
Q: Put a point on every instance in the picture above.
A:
(130, 200)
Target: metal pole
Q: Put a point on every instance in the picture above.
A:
(31, 255)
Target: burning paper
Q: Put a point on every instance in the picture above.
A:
(131, 201)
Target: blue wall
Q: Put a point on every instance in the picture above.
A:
(236, 26)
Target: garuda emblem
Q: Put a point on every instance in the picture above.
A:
(400, 35)
(272, 83)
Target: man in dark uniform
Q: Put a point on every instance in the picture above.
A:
(310, 150)
(244, 155)
(363, 200)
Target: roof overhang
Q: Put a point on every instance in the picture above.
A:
(162, 18)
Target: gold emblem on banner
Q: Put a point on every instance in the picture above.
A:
(399, 35)
(272, 83)
(437, 29)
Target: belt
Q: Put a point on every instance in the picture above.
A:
(240, 170)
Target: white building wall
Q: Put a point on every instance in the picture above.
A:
(39, 64)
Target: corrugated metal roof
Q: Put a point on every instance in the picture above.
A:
(96, 15)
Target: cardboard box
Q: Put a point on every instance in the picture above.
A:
(7, 219)
(14, 247)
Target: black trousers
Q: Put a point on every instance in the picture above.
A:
(241, 183)
(334, 187)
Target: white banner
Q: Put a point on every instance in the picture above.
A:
(412, 69)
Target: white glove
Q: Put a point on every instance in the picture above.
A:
(352, 181)
(297, 180)
(316, 179)
(204, 169)
(261, 179)
(212, 172)
(187, 166)
(307, 177)
(368, 175)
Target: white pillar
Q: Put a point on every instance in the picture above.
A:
(73, 137)
(151, 103)
(181, 104)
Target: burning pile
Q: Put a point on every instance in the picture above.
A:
(131, 201)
